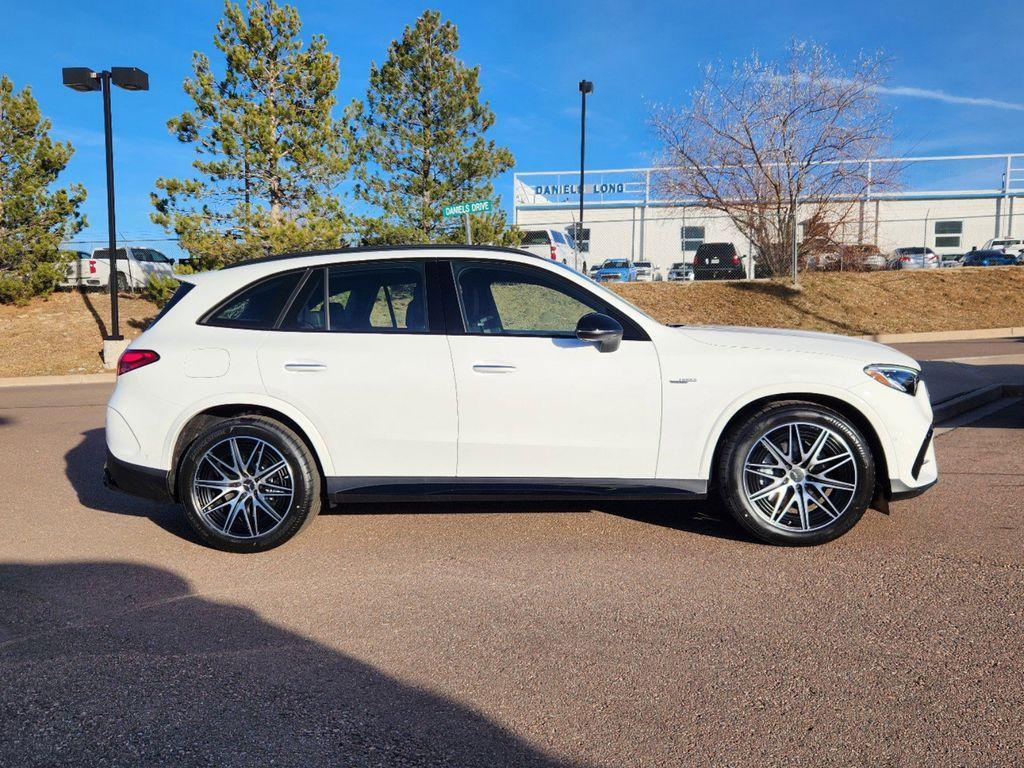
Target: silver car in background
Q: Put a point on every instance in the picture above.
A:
(914, 257)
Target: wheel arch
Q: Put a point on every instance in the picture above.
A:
(858, 414)
(202, 419)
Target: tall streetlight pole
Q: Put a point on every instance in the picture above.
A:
(585, 87)
(83, 79)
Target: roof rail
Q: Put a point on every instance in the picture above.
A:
(378, 249)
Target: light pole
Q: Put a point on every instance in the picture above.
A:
(83, 79)
(585, 87)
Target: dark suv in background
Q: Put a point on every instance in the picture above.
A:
(718, 261)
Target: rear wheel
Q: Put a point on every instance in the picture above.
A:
(796, 473)
(122, 283)
(249, 484)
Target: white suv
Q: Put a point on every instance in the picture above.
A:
(551, 244)
(267, 390)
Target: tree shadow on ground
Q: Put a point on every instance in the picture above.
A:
(112, 663)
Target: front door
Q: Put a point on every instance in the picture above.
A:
(535, 401)
(355, 353)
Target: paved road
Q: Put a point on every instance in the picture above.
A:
(490, 636)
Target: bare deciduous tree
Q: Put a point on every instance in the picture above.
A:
(767, 143)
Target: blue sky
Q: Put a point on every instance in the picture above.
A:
(956, 75)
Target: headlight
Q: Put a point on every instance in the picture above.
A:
(896, 376)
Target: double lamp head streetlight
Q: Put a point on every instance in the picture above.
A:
(83, 79)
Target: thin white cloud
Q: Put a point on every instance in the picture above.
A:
(948, 98)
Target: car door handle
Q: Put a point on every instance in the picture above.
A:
(493, 368)
(305, 367)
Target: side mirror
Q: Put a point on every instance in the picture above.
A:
(605, 331)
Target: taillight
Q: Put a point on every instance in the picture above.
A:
(92, 267)
(735, 260)
(135, 358)
(906, 258)
(554, 253)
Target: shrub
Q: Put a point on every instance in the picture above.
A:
(13, 290)
(159, 289)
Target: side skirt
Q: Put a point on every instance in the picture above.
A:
(377, 489)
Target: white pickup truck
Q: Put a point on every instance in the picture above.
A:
(134, 266)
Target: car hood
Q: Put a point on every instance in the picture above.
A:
(778, 339)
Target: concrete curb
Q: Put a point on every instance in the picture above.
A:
(980, 333)
(46, 381)
(976, 398)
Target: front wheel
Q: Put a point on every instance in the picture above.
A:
(249, 484)
(796, 473)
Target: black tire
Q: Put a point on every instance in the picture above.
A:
(122, 283)
(304, 477)
(734, 479)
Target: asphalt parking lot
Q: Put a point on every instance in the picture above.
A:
(496, 635)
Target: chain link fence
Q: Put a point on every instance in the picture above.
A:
(689, 243)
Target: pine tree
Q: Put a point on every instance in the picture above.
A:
(268, 151)
(419, 141)
(34, 217)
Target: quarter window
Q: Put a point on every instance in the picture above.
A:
(519, 302)
(948, 234)
(259, 305)
(692, 238)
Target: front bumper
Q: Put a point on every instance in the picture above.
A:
(136, 480)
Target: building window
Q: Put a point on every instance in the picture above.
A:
(692, 238)
(581, 236)
(947, 234)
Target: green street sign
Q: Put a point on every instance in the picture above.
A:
(461, 209)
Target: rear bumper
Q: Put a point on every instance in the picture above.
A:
(136, 480)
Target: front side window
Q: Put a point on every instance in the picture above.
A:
(259, 305)
(513, 301)
(386, 297)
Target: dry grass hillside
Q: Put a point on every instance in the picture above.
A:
(848, 303)
(62, 334)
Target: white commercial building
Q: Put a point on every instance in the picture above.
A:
(950, 204)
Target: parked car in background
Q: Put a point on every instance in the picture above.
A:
(990, 258)
(718, 261)
(914, 257)
(551, 244)
(679, 271)
(615, 271)
(134, 266)
(647, 272)
(1011, 245)
(268, 390)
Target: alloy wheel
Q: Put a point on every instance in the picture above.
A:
(800, 476)
(242, 487)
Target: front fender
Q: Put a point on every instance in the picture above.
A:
(778, 392)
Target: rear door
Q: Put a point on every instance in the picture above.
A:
(358, 353)
(535, 401)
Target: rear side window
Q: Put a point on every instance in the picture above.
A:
(535, 237)
(257, 306)
(384, 297)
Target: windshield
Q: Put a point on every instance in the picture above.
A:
(615, 264)
(643, 265)
(679, 265)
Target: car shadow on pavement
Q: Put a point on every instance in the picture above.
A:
(110, 663)
(84, 470)
(706, 518)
